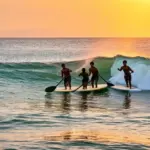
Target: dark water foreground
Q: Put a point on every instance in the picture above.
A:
(103, 120)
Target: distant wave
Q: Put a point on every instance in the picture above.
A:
(47, 61)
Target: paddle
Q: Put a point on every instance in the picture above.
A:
(52, 88)
(79, 87)
(108, 83)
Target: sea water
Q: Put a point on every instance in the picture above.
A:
(109, 119)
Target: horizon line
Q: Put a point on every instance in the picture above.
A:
(67, 37)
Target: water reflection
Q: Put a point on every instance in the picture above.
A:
(68, 102)
(65, 105)
(60, 102)
(48, 100)
(83, 105)
(127, 101)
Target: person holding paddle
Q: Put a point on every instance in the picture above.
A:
(95, 74)
(65, 73)
(127, 73)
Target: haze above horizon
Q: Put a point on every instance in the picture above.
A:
(86, 18)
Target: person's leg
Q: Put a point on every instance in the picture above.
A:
(92, 82)
(126, 80)
(96, 81)
(65, 83)
(69, 82)
(85, 84)
(130, 84)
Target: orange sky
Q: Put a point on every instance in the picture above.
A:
(75, 18)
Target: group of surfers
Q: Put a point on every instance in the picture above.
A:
(65, 73)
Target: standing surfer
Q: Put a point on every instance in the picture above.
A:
(95, 74)
(65, 73)
(127, 73)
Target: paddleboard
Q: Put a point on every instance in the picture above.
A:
(124, 88)
(89, 89)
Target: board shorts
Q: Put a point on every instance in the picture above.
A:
(85, 80)
(67, 80)
(95, 78)
(128, 77)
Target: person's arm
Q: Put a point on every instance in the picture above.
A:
(120, 69)
(131, 70)
(79, 74)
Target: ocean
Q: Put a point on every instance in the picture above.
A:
(106, 120)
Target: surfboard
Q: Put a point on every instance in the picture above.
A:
(124, 88)
(89, 89)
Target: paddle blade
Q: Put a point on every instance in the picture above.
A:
(110, 84)
(50, 89)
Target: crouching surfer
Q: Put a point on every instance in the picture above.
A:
(85, 79)
(65, 73)
(127, 73)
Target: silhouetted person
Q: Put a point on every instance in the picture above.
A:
(85, 79)
(65, 73)
(127, 73)
(95, 75)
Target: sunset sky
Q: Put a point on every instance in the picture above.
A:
(75, 18)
